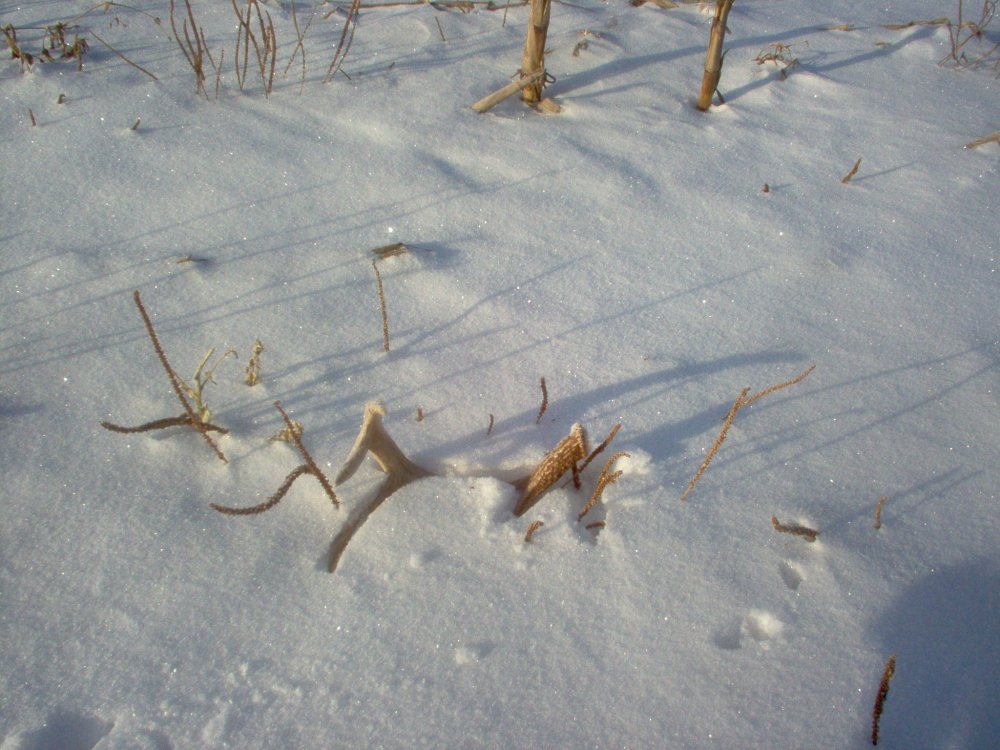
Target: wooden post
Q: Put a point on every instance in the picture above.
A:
(713, 57)
(533, 62)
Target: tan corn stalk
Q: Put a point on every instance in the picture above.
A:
(713, 57)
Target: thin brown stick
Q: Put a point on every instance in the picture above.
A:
(854, 170)
(381, 302)
(991, 138)
(545, 401)
(883, 691)
(344, 45)
(878, 511)
(31, 115)
(718, 441)
(596, 525)
(604, 444)
(530, 533)
(803, 531)
(270, 502)
(489, 102)
(175, 380)
(296, 439)
(771, 389)
(134, 65)
(607, 477)
(161, 424)
(489, 427)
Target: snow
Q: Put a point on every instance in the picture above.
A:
(625, 251)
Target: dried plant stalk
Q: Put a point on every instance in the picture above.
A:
(381, 302)
(604, 444)
(175, 380)
(607, 477)
(714, 54)
(253, 366)
(738, 404)
(489, 102)
(533, 59)
(883, 691)
(771, 389)
(803, 531)
(991, 138)
(545, 401)
(530, 533)
(596, 525)
(878, 511)
(296, 437)
(270, 502)
(561, 459)
(344, 45)
(854, 170)
(389, 251)
(718, 441)
(161, 424)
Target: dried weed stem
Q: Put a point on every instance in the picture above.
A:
(803, 531)
(607, 477)
(883, 691)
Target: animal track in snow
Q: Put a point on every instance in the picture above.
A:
(64, 730)
(791, 574)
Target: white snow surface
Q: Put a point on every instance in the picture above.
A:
(624, 250)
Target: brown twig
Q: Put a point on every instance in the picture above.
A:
(381, 302)
(718, 441)
(489, 427)
(803, 531)
(604, 444)
(162, 424)
(741, 401)
(545, 401)
(270, 502)
(991, 138)
(530, 533)
(344, 45)
(296, 438)
(134, 65)
(854, 170)
(607, 477)
(883, 691)
(878, 511)
(771, 389)
(175, 380)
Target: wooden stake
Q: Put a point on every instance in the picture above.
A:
(713, 56)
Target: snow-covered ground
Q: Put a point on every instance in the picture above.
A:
(626, 251)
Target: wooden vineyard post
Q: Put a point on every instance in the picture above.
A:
(713, 57)
(533, 62)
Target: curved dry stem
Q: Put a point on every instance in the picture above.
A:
(161, 424)
(270, 502)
